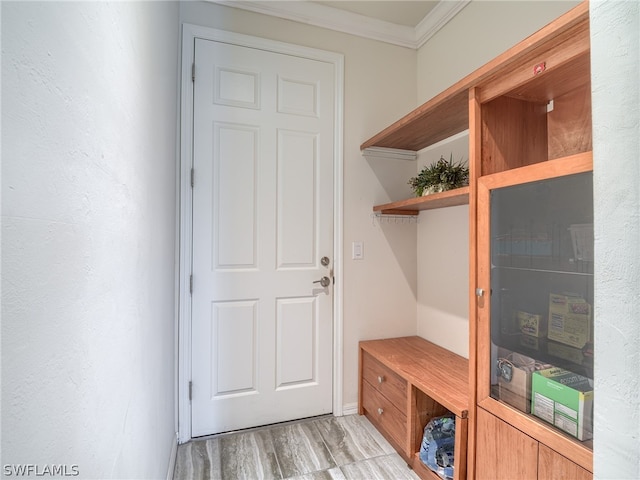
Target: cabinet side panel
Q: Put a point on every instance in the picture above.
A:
(360, 406)
(460, 454)
(570, 123)
(514, 134)
(475, 151)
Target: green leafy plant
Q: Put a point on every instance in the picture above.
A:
(440, 176)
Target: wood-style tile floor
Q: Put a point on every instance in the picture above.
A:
(327, 447)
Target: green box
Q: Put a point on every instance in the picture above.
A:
(564, 399)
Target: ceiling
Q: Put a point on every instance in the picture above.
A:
(408, 13)
(406, 23)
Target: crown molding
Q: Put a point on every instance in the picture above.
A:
(437, 18)
(335, 19)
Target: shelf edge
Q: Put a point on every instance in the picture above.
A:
(450, 198)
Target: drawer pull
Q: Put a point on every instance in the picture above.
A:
(380, 378)
(380, 411)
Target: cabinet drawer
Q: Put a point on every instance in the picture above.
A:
(382, 412)
(385, 381)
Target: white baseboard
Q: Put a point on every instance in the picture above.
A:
(172, 458)
(350, 409)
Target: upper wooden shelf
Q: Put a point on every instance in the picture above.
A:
(413, 206)
(441, 117)
(447, 114)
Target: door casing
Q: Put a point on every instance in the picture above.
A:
(183, 328)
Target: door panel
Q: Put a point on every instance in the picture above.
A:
(297, 97)
(297, 199)
(234, 209)
(297, 321)
(553, 466)
(503, 453)
(233, 333)
(236, 87)
(262, 330)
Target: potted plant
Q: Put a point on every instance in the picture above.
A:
(440, 176)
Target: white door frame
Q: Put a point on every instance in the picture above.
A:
(189, 34)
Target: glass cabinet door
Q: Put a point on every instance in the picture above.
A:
(541, 303)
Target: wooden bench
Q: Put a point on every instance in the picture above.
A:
(403, 383)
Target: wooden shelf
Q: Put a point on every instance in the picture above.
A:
(413, 206)
(441, 117)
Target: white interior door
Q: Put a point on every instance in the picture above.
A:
(262, 222)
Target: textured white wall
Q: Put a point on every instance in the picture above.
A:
(379, 87)
(88, 235)
(615, 68)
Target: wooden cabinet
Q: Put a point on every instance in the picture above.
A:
(533, 188)
(528, 113)
(404, 383)
(505, 453)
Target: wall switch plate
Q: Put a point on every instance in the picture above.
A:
(357, 251)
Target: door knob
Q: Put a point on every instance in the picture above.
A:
(324, 281)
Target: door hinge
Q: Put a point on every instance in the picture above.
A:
(192, 177)
(190, 389)
(193, 72)
(191, 283)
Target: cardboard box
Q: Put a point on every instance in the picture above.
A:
(514, 387)
(564, 399)
(570, 320)
(531, 324)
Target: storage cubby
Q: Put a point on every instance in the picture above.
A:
(538, 107)
(550, 120)
(427, 409)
